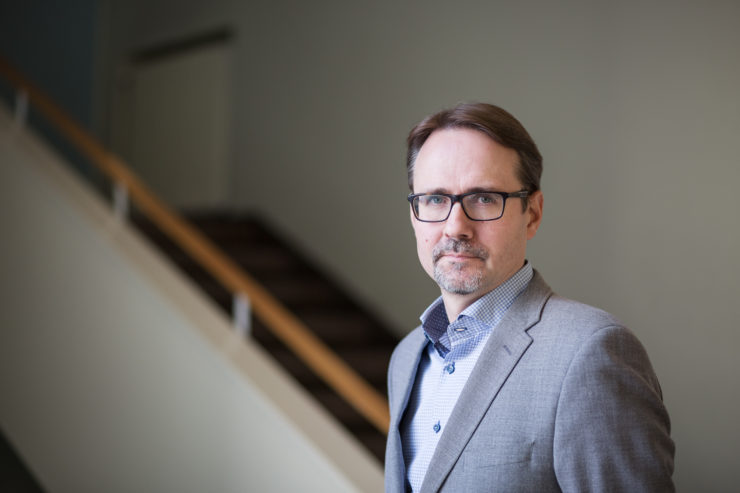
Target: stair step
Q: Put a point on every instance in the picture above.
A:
(264, 260)
(342, 326)
(302, 291)
(352, 332)
(371, 362)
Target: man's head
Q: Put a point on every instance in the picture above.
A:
(497, 123)
(460, 156)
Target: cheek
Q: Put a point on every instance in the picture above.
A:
(424, 246)
(425, 242)
(502, 242)
(424, 235)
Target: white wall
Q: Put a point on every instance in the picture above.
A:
(634, 106)
(116, 375)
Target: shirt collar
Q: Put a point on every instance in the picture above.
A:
(489, 309)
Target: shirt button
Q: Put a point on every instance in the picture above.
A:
(461, 329)
(450, 368)
(437, 427)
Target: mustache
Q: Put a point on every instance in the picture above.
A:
(452, 245)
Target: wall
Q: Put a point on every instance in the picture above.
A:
(116, 375)
(53, 44)
(634, 106)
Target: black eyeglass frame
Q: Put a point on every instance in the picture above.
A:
(458, 198)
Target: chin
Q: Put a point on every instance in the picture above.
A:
(462, 285)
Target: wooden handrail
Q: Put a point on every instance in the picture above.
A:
(294, 333)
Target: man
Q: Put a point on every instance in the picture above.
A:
(506, 386)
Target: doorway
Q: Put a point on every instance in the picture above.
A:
(171, 119)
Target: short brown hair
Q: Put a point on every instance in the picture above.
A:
(495, 122)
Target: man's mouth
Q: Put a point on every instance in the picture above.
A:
(457, 250)
(457, 256)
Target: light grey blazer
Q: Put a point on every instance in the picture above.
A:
(563, 398)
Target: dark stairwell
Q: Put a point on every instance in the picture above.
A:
(338, 320)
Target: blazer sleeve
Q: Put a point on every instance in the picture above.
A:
(612, 431)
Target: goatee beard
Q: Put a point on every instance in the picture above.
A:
(450, 278)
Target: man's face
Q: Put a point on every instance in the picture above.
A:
(470, 258)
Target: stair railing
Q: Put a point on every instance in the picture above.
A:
(248, 294)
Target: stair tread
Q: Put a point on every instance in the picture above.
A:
(351, 331)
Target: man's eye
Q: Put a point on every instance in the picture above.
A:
(484, 198)
(432, 200)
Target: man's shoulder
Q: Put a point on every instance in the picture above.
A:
(411, 341)
(559, 308)
(409, 347)
(575, 317)
(556, 308)
(566, 323)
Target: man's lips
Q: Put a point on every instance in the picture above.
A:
(458, 251)
(457, 256)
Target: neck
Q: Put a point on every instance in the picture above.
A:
(456, 303)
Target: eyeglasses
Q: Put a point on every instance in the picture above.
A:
(478, 206)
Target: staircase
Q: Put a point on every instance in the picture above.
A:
(340, 322)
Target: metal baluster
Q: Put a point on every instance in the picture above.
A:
(241, 312)
(120, 201)
(21, 108)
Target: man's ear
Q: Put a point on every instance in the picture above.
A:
(534, 211)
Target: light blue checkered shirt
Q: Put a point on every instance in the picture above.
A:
(445, 366)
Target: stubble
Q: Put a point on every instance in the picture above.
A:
(458, 277)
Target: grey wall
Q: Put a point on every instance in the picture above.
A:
(633, 104)
(53, 44)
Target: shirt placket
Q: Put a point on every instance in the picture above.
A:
(458, 335)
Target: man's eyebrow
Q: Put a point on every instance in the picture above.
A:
(438, 190)
(469, 190)
(481, 189)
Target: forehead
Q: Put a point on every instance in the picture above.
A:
(461, 159)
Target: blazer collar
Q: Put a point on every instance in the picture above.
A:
(502, 352)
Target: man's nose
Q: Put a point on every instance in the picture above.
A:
(458, 225)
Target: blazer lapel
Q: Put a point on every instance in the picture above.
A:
(405, 365)
(502, 352)
(404, 373)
